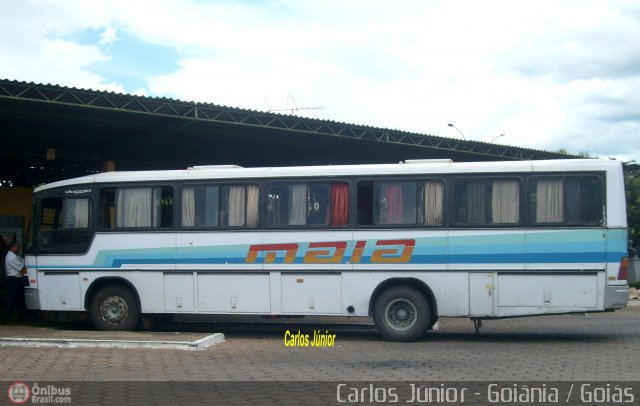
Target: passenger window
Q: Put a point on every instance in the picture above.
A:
(389, 203)
(314, 203)
(566, 200)
(220, 206)
(143, 207)
(486, 202)
(64, 225)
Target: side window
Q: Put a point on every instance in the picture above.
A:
(64, 225)
(313, 203)
(142, 207)
(220, 206)
(389, 203)
(486, 202)
(566, 200)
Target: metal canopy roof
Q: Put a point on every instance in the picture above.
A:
(85, 128)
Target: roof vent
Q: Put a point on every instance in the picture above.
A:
(428, 161)
(214, 167)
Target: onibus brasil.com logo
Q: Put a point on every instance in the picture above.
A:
(20, 393)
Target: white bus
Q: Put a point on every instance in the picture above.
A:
(404, 243)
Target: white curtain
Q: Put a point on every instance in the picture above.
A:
(76, 213)
(82, 213)
(188, 207)
(237, 205)
(134, 207)
(298, 204)
(505, 201)
(253, 194)
(550, 201)
(433, 202)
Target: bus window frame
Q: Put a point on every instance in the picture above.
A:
(116, 229)
(303, 180)
(486, 177)
(420, 181)
(217, 182)
(36, 223)
(601, 176)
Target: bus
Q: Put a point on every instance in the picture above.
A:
(402, 243)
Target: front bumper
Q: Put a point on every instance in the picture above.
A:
(32, 298)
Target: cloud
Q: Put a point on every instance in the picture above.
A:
(596, 42)
(39, 51)
(549, 74)
(108, 36)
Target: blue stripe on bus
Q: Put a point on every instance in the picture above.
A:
(537, 258)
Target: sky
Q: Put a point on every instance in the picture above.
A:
(548, 75)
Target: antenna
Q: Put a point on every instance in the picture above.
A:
(293, 109)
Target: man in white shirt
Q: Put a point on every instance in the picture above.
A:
(14, 268)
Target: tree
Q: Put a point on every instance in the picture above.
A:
(632, 186)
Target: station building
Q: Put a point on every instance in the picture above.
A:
(50, 133)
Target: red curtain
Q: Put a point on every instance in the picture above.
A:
(392, 214)
(339, 204)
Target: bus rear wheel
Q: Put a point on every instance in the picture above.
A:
(115, 308)
(401, 313)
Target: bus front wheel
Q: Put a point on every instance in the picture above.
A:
(115, 308)
(401, 313)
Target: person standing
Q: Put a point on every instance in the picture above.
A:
(14, 269)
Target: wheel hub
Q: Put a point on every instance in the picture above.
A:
(401, 314)
(114, 309)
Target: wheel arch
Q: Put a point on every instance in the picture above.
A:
(109, 281)
(414, 283)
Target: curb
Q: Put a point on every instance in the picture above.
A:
(201, 344)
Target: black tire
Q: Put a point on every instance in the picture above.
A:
(115, 308)
(401, 313)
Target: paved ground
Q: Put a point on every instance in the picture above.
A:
(595, 347)
(600, 346)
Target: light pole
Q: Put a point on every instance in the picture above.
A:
(453, 126)
(498, 136)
